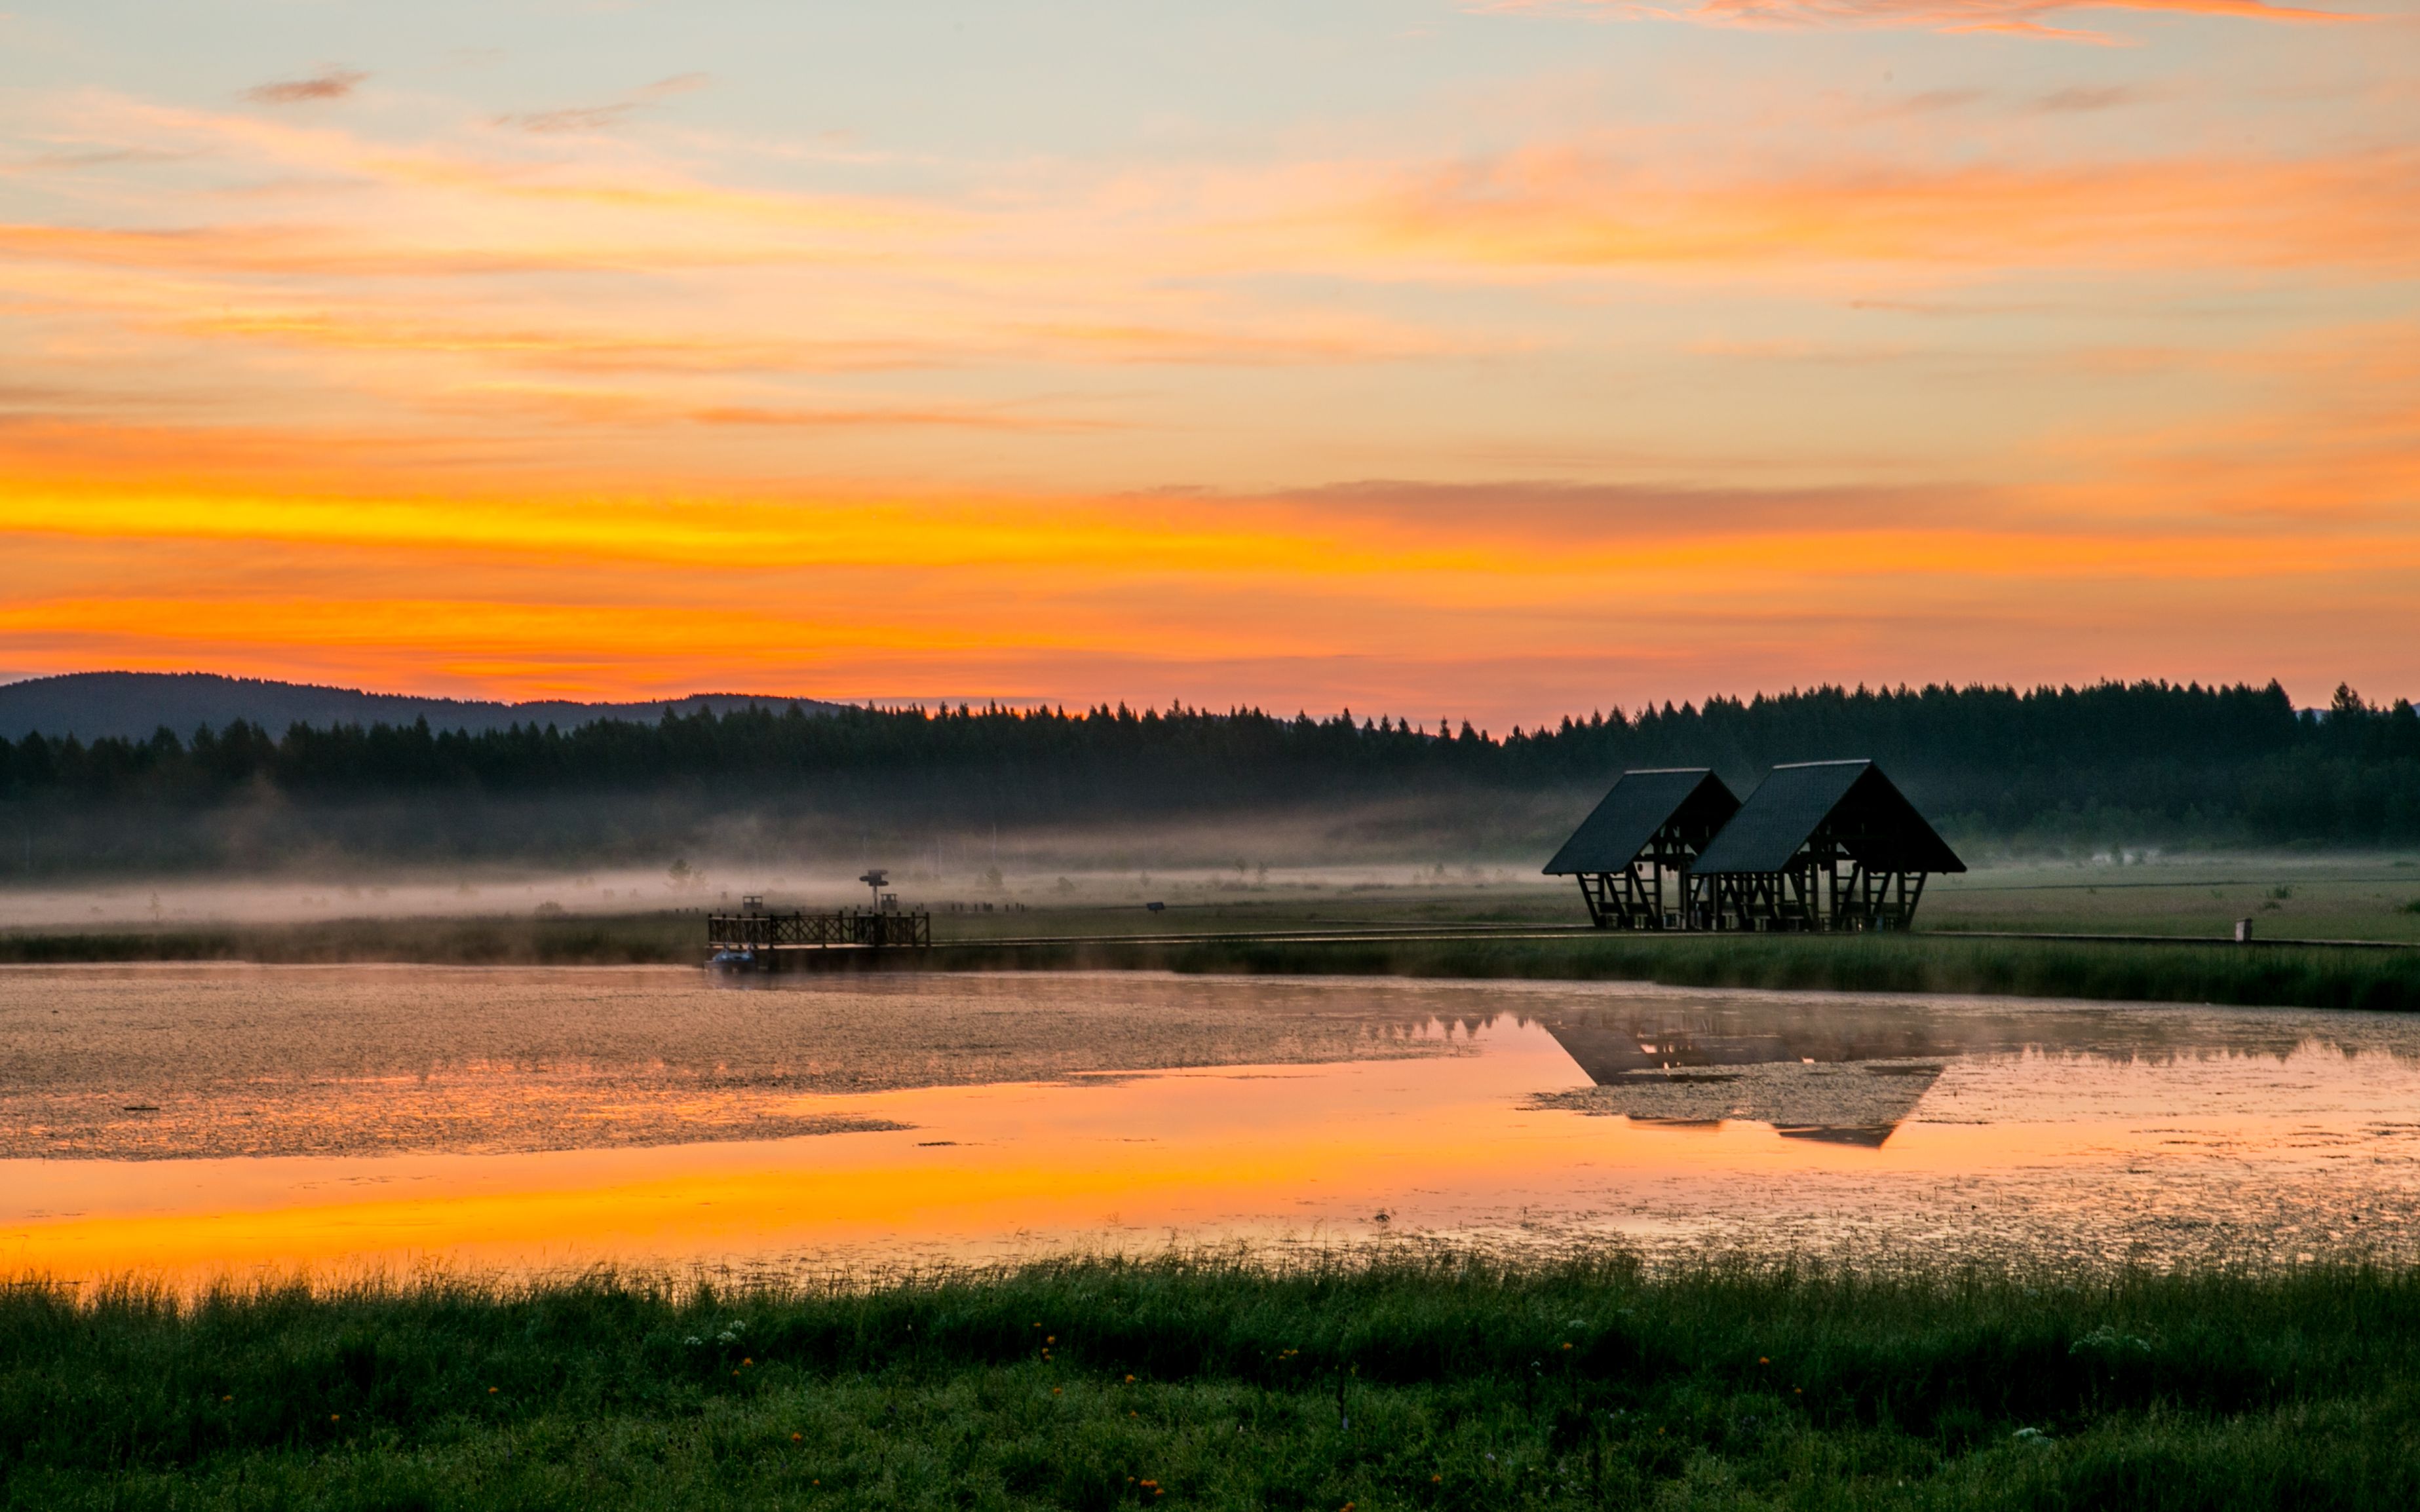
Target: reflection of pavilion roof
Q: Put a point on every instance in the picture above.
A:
(1608, 1043)
(1870, 1137)
(1639, 804)
(1808, 1084)
(1871, 818)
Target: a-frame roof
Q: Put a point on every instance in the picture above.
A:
(1871, 818)
(1639, 804)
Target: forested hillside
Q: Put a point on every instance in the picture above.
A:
(130, 706)
(2055, 766)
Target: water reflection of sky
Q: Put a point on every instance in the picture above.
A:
(201, 1120)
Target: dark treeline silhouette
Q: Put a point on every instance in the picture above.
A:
(2140, 761)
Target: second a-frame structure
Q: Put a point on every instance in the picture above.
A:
(1818, 845)
(1632, 852)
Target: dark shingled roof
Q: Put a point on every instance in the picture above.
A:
(1641, 803)
(1873, 819)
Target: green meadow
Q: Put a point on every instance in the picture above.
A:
(2264, 976)
(2192, 902)
(2351, 897)
(1410, 1382)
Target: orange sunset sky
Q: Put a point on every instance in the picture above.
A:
(1495, 359)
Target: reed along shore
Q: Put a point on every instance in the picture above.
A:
(1417, 1381)
(2263, 975)
(2116, 970)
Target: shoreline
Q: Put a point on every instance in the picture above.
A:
(2355, 975)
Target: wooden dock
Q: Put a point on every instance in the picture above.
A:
(771, 942)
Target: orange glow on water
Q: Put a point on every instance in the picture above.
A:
(1446, 1147)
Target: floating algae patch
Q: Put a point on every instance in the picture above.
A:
(479, 1110)
(199, 1061)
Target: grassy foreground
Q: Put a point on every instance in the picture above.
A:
(1416, 1383)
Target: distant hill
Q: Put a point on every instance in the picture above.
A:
(90, 705)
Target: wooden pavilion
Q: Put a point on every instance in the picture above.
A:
(1818, 845)
(1632, 854)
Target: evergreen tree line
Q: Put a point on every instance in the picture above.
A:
(2222, 761)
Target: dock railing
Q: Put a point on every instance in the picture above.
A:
(763, 935)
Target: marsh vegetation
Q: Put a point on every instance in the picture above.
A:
(1413, 1380)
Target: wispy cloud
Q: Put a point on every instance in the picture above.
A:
(329, 83)
(2025, 18)
(570, 118)
(1581, 207)
(567, 346)
(887, 416)
(573, 119)
(316, 250)
(2078, 99)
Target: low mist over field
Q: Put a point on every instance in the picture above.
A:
(710, 884)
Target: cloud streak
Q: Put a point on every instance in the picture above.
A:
(2025, 18)
(585, 118)
(329, 83)
(1581, 207)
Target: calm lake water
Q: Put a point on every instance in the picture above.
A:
(194, 1121)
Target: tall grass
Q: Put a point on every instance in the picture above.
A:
(2318, 976)
(1437, 1381)
(636, 939)
(2261, 976)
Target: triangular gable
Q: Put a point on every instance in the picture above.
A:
(1873, 820)
(1639, 804)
